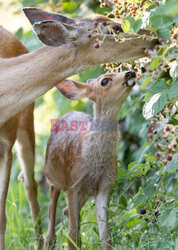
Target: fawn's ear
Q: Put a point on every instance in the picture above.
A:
(74, 90)
(53, 29)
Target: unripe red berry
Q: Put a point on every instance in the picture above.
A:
(175, 36)
(169, 158)
(168, 150)
(157, 154)
(160, 40)
(150, 136)
(95, 23)
(167, 128)
(164, 163)
(96, 45)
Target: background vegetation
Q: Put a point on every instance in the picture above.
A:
(143, 208)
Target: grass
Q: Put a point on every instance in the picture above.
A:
(20, 232)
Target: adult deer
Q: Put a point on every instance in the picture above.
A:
(19, 127)
(69, 52)
(82, 160)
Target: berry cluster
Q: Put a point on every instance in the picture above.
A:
(158, 201)
(118, 35)
(123, 8)
(139, 66)
(166, 139)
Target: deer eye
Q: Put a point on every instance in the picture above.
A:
(105, 81)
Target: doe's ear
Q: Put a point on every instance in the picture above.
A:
(74, 90)
(55, 34)
(37, 15)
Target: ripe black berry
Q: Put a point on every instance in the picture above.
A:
(142, 211)
(157, 213)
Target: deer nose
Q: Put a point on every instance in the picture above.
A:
(130, 74)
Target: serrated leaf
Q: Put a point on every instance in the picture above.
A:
(146, 82)
(172, 166)
(154, 105)
(158, 87)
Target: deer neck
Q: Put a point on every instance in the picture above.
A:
(33, 74)
(104, 132)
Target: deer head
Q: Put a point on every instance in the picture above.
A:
(57, 30)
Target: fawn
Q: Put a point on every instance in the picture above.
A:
(84, 162)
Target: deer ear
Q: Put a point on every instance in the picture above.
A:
(74, 90)
(36, 15)
(55, 34)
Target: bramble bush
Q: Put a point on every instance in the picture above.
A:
(143, 205)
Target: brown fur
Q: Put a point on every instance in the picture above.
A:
(46, 67)
(18, 127)
(84, 163)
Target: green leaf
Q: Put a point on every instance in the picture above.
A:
(174, 70)
(155, 62)
(164, 34)
(122, 173)
(132, 25)
(159, 86)
(161, 21)
(172, 166)
(123, 201)
(168, 218)
(137, 25)
(69, 7)
(146, 82)
(173, 91)
(172, 53)
(136, 169)
(126, 25)
(154, 105)
(149, 191)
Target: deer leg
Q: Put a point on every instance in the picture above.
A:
(5, 168)
(26, 153)
(74, 206)
(101, 201)
(54, 195)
